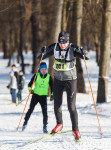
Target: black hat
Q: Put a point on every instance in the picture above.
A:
(13, 65)
(63, 37)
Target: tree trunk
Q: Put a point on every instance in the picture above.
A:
(10, 45)
(105, 53)
(76, 38)
(56, 28)
(5, 49)
(64, 16)
(16, 41)
(21, 34)
(36, 32)
(97, 48)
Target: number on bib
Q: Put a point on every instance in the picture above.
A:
(59, 66)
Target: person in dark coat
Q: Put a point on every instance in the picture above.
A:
(65, 77)
(21, 83)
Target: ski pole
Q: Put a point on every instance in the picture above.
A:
(92, 96)
(21, 101)
(30, 91)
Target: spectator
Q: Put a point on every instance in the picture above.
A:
(21, 82)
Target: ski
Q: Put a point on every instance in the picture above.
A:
(48, 136)
(77, 140)
(21, 101)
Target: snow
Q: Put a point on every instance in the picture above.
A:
(11, 139)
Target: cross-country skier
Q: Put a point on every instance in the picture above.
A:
(65, 76)
(40, 92)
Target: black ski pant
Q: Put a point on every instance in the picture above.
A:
(70, 86)
(43, 102)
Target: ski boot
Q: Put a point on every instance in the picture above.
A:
(45, 129)
(24, 126)
(57, 128)
(76, 135)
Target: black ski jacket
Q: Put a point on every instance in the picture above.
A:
(75, 51)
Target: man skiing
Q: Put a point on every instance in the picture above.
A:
(40, 92)
(65, 76)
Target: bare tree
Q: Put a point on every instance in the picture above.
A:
(105, 53)
(77, 7)
(65, 15)
(36, 31)
(20, 50)
(56, 28)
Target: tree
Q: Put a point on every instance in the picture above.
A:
(105, 53)
(75, 32)
(91, 26)
(36, 31)
(21, 8)
(56, 28)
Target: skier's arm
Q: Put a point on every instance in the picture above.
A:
(51, 84)
(31, 82)
(80, 52)
(51, 87)
(48, 51)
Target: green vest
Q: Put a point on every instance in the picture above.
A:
(41, 85)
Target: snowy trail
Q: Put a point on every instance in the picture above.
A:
(10, 139)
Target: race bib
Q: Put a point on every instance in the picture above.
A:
(59, 66)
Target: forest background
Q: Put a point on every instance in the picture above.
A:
(31, 24)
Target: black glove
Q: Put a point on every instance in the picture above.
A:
(39, 54)
(83, 51)
(32, 92)
(8, 86)
(43, 49)
(52, 97)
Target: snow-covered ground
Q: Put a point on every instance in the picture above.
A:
(11, 139)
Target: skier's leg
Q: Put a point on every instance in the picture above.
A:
(58, 92)
(71, 87)
(43, 103)
(34, 101)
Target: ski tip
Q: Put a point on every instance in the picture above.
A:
(30, 142)
(77, 140)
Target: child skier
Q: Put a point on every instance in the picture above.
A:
(40, 92)
(21, 83)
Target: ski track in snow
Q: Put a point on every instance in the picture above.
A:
(11, 139)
